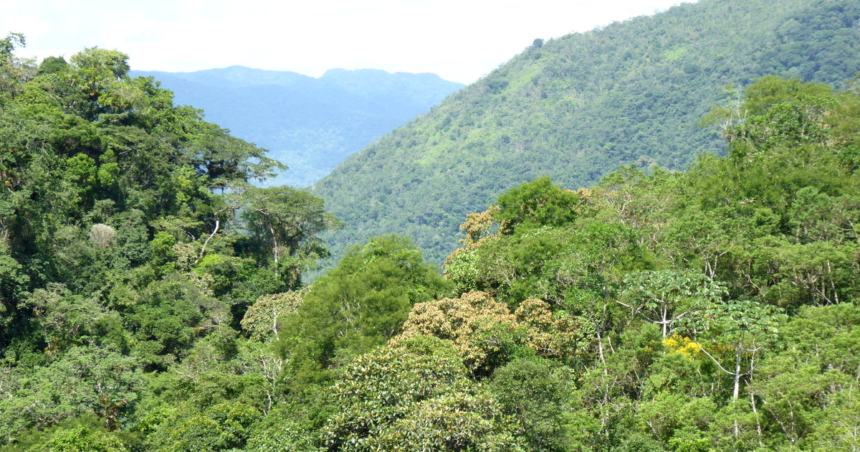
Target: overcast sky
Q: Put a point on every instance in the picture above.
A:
(460, 40)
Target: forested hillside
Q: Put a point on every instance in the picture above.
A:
(152, 301)
(576, 108)
(309, 124)
(122, 247)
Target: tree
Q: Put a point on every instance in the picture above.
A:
(8, 45)
(358, 305)
(14, 71)
(457, 421)
(808, 384)
(487, 335)
(738, 330)
(53, 65)
(535, 392)
(174, 314)
(678, 419)
(746, 326)
(704, 238)
(99, 70)
(95, 380)
(13, 283)
(221, 427)
(275, 434)
(379, 388)
(81, 439)
(414, 395)
(262, 319)
(484, 332)
(548, 262)
(65, 319)
(536, 203)
(227, 161)
(288, 221)
(664, 297)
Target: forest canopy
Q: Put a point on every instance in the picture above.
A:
(128, 236)
(151, 300)
(578, 107)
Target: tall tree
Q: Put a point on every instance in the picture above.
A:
(358, 305)
(288, 221)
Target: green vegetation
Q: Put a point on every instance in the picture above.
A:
(578, 107)
(131, 246)
(152, 301)
(310, 124)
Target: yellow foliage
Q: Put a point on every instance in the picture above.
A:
(551, 337)
(481, 327)
(477, 226)
(683, 345)
(692, 349)
(465, 321)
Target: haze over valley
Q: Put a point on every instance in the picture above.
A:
(309, 124)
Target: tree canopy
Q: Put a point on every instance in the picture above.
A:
(151, 300)
(579, 107)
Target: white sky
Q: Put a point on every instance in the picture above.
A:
(461, 40)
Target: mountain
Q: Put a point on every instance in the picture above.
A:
(309, 124)
(577, 107)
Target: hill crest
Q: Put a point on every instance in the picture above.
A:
(577, 107)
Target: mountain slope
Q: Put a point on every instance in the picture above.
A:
(309, 124)
(577, 107)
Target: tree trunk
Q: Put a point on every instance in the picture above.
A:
(737, 391)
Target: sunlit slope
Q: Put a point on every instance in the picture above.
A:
(580, 106)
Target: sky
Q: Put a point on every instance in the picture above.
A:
(461, 40)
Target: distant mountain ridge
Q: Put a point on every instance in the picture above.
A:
(310, 124)
(577, 107)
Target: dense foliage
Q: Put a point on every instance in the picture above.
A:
(153, 301)
(577, 107)
(131, 245)
(310, 124)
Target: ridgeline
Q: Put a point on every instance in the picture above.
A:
(309, 124)
(576, 108)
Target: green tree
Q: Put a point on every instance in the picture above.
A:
(95, 380)
(288, 222)
(81, 439)
(536, 203)
(743, 328)
(413, 394)
(9, 43)
(65, 319)
(13, 71)
(739, 331)
(222, 427)
(358, 305)
(274, 434)
(167, 323)
(535, 392)
(457, 421)
(262, 319)
(664, 297)
(806, 385)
